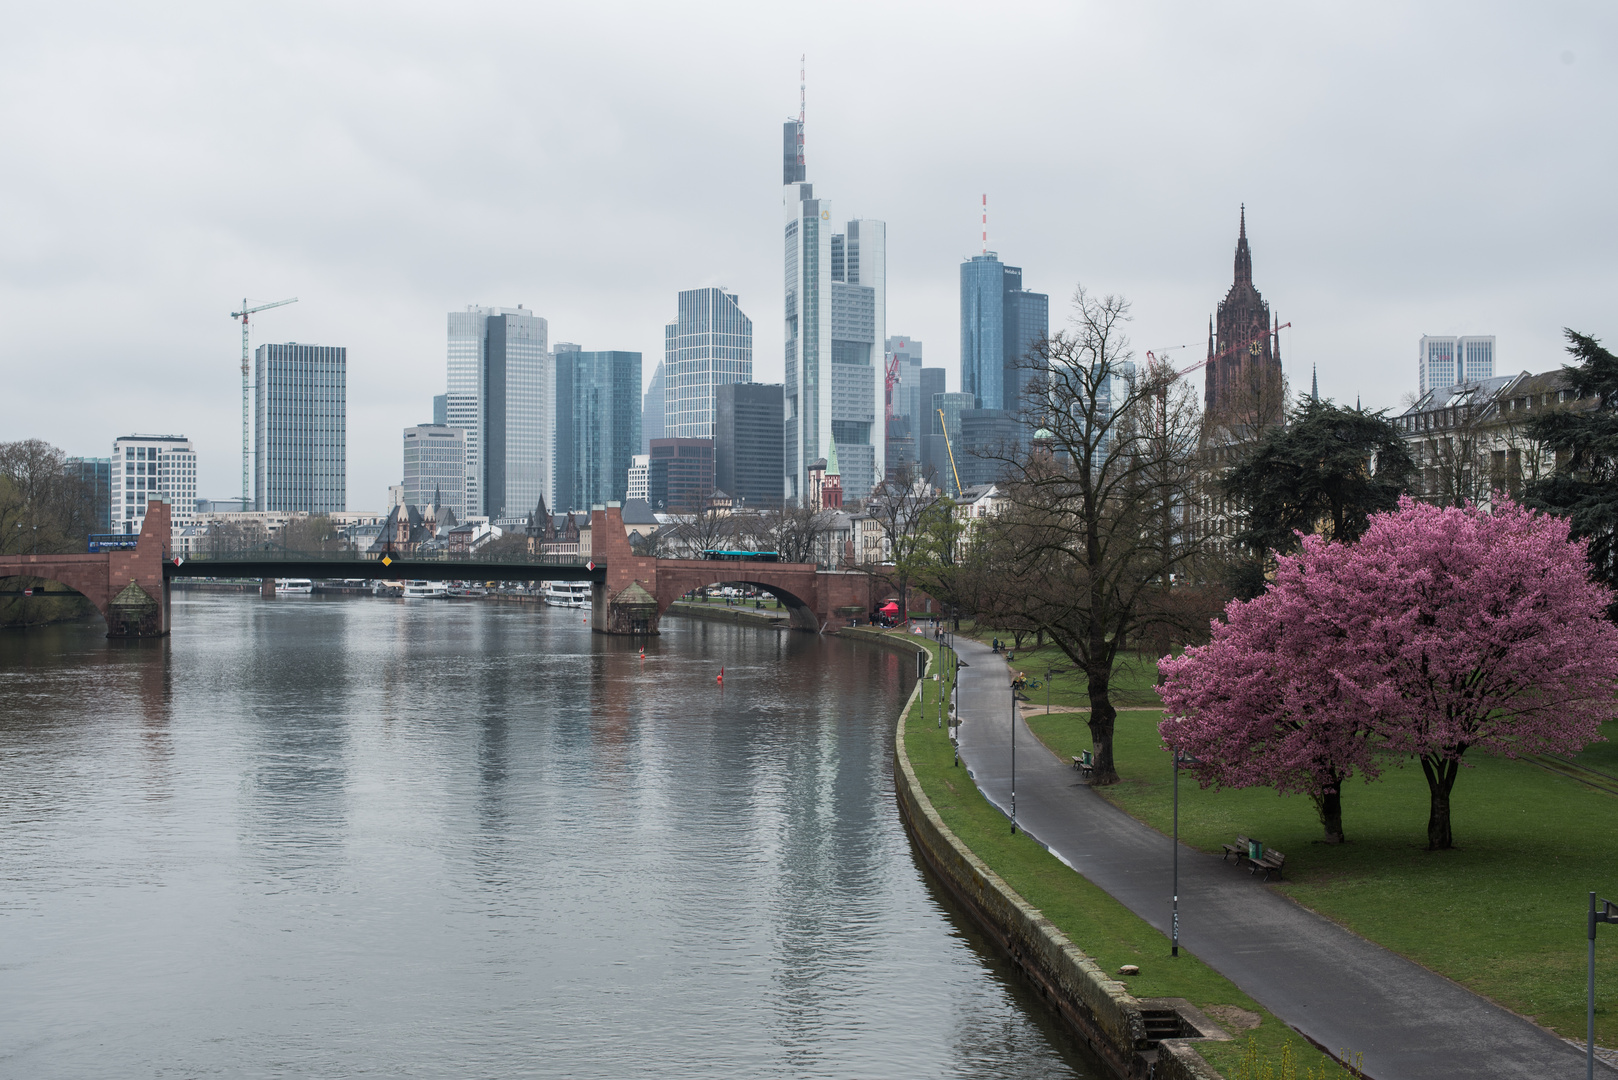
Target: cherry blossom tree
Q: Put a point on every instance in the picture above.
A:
(1439, 631)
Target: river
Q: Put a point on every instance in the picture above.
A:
(334, 837)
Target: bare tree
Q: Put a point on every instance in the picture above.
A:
(901, 505)
(313, 534)
(1084, 544)
(42, 508)
(794, 532)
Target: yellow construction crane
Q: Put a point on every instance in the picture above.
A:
(247, 385)
(942, 426)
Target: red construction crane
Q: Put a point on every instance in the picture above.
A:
(890, 380)
(1260, 336)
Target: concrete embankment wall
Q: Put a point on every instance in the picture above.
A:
(719, 613)
(1106, 1016)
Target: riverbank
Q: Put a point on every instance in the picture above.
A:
(744, 616)
(1066, 934)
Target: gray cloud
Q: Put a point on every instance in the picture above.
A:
(1407, 169)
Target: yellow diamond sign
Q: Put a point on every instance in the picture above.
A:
(386, 561)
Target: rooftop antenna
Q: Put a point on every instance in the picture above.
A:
(802, 82)
(985, 223)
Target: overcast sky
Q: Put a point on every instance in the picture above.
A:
(1407, 169)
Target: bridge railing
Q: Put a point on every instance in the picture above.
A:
(276, 553)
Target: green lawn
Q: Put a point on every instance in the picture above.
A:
(1093, 920)
(1133, 679)
(1502, 914)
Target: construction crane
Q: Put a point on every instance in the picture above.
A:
(247, 385)
(942, 426)
(1248, 344)
(890, 380)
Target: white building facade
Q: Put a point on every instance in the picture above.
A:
(145, 467)
(640, 469)
(435, 467)
(1449, 361)
(835, 329)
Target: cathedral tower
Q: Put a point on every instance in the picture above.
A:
(1244, 357)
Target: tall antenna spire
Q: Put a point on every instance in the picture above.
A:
(803, 81)
(985, 224)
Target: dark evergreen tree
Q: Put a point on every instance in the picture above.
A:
(1327, 471)
(1584, 486)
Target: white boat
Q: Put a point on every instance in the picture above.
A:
(425, 590)
(294, 585)
(574, 594)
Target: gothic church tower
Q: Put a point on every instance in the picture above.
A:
(1244, 357)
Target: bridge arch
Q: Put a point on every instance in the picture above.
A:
(800, 609)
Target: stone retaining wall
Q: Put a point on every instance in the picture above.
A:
(1098, 1007)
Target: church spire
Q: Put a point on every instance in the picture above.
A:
(1314, 382)
(1244, 257)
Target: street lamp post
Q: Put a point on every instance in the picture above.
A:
(1014, 757)
(1607, 913)
(1180, 760)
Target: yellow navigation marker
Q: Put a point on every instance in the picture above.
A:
(386, 561)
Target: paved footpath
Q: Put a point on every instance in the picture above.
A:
(1334, 986)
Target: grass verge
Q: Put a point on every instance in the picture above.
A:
(1502, 914)
(1092, 919)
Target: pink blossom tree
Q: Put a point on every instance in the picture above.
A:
(1439, 631)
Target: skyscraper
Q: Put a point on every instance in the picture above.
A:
(1445, 361)
(96, 476)
(301, 429)
(747, 443)
(145, 467)
(435, 467)
(836, 323)
(679, 476)
(709, 344)
(499, 382)
(651, 410)
(904, 440)
(598, 408)
(1000, 324)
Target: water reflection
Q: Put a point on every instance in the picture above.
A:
(451, 839)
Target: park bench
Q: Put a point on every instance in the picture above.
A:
(1084, 762)
(1271, 863)
(1238, 849)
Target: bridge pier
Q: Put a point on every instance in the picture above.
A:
(127, 587)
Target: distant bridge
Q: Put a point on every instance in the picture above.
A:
(629, 593)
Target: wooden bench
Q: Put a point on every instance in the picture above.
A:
(1084, 762)
(1238, 849)
(1271, 863)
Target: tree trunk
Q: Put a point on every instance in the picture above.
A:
(1441, 773)
(1329, 804)
(1102, 718)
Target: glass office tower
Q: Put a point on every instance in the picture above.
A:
(301, 433)
(598, 404)
(709, 344)
(96, 476)
(836, 323)
(144, 467)
(1000, 324)
(499, 383)
(651, 406)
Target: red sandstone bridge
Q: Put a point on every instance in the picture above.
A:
(131, 587)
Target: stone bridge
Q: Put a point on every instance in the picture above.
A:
(129, 588)
(636, 591)
(630, 593)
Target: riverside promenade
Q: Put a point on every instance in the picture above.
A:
(1334, 986)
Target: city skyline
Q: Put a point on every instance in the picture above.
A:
(379, 238)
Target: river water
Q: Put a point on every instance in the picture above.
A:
(362, 837)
